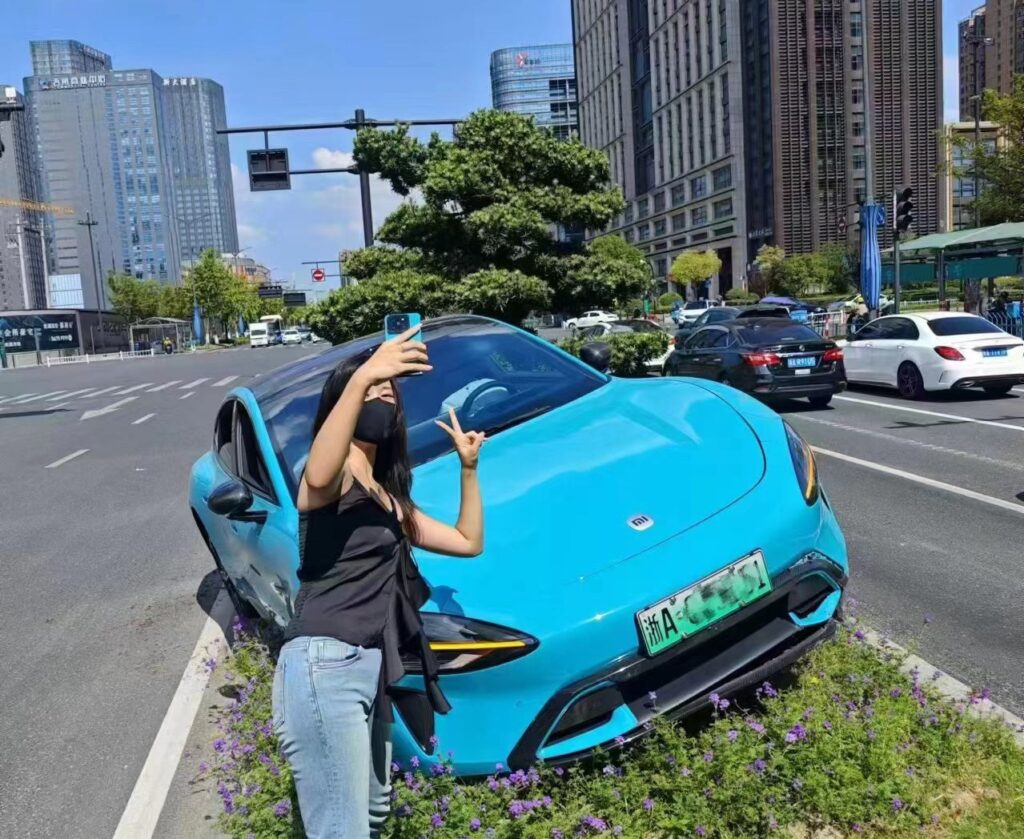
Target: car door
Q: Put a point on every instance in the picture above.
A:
(886, 348)
(857, 354)
(689, 359)
(708, 362)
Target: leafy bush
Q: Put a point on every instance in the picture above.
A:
(852, 746)
(666, 300)
(630, 350)
(1010, 283)
(740, 296)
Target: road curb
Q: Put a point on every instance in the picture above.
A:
(952, 689)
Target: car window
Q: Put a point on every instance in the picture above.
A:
(493, 374)
(224, 436)
(902, 329)
(701, 339)
(722, 339)
(251, 467)
(695, 305)
(872, 330)
(963, 325)
(719, 315)
(776, 332)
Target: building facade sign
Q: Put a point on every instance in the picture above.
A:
(64, 82)
(53, 332)
(180, 82)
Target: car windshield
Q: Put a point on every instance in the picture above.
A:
(962, 325)
(699, 304)
(718, 315)
(493, 375)
(776, 332)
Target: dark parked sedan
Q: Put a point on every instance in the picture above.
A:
(767, 357)
(719, 314)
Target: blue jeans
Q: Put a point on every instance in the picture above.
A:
(324, 692)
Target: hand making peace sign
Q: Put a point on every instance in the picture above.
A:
(467, 443)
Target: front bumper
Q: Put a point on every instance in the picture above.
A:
(740, 651)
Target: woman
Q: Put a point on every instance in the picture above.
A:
(358, 603)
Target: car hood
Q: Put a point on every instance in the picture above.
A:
(563, 492)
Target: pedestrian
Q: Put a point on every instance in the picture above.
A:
(358, 604)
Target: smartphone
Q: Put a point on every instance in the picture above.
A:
(395, 325)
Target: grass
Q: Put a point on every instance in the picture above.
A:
(849, 747)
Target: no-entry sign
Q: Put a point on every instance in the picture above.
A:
(318, 275)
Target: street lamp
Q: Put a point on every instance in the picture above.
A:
(977, 43)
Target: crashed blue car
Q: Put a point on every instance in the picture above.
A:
(608, 573)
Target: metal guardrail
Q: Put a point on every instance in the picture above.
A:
(85, 358)
(1014, 326)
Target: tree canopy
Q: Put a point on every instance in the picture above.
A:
(694, 267)
(829, 269)
(478, 232)
(1002, 167)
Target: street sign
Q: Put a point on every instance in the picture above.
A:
(318, 275)
(270, 292)
(294, 299)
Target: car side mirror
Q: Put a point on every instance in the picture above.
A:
(233, 499)
(597, 355)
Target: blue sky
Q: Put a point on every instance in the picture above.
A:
(316, 61)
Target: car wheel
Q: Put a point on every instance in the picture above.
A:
(998, 390)
(909, 381)
(820, 401)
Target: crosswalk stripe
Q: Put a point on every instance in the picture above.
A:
(164, 386)
(72, 393)
(66, 458)
(225, 381)
(197, 382)
(23, 400)
(132, 388)
(142, 419)
(10, 398)
(187, 395)
(98, 392)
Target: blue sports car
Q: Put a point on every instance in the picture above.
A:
(612, 586)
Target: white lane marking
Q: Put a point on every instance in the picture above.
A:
(952, 689)
(187, 395)
(141, 814)
(99, 392)
(225, 381)
(23, 400)
(66, 458)
(17, 398)
(108, 409)
(164, 386)
(1005, 463)
(195, 383)
(132, 388)
(141, 420)
(72, 393)
(58, 405)
(893, 407)
(920, 479)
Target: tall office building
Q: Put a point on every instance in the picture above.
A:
(661, 93)
(537, 81)
(200, 163)
(693, 99)
(956, 180)
(1002, 21)
(22, 260)
(139, 154)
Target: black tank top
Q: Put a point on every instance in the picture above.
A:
(360, 585)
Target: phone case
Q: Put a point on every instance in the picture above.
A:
(396, 324)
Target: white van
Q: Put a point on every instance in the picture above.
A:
(259, 335)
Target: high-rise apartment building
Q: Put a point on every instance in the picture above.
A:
(22, 259)
(1002, 23)
(140, 155)
(537, 81)
(751, 115)
(661, 93)
(200, 162)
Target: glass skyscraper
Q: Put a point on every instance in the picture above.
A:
(537, 81)
(62, 58)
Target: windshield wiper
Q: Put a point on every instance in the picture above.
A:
(517, 419)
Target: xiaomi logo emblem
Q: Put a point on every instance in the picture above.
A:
(640, 522)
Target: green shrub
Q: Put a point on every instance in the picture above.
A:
(630, 350)
(1010, 283)
(740, 296)
(666, 300)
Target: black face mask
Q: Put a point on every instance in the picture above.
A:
(377, 422)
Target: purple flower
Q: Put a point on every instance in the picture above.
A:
(559, 771)
(220, 745)
(773, 823)
(701, 830)
(438, 769)
(204, 767)
(652, 698)
(896, 693)
(594, 823)
(620, 740)
(719, 703)
(617, 830)
(796, 733)
(493, 784)
(709, 756)
(608, 771)
(557, 834)
(499, 767)
(897, 805)
(436, 820)
(396, 766)
(758, 766)
(755, 726)
(856, 828)
(871, 734)
(732, 734)
(474, 825)
(827, 725)
(648, 804)
(859, 635)
(434, 741)
(414, 762)
(282, 808)
(768, 690)
(210, 664)
(798, 784)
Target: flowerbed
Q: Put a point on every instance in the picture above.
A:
(852, 747)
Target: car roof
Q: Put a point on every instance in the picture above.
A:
(941, 315)
(755, 323)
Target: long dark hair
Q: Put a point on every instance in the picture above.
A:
(391, 467)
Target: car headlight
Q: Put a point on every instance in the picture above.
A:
(804, 467)
(462, 645)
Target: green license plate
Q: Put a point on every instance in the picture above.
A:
(687, 612)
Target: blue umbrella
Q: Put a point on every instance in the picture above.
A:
(197, 324)
(872, 216)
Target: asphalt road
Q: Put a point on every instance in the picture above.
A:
(100, 566)
(101, 569)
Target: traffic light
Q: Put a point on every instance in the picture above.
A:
(268, 169)
(904, 211)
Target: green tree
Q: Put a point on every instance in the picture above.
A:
(609, 272)
(694, 267)
(487, 204)
(837, 268)
(134, 299)
(175, 301)
(768, 260)
(1002, 168)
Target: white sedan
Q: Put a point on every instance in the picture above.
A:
(291, 336)
(691, 311)
(591, 318)
(928, 351)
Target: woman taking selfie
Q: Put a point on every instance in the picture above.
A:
(358, 602)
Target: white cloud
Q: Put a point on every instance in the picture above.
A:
(324, 158)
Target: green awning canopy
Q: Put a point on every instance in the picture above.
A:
(1009, 235)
